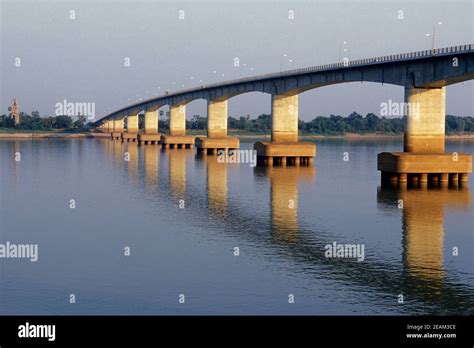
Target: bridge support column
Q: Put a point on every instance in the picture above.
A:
(177, 137)
(178, 120)
(151, 135)
(132, 128)
(285, 118)
(117, 128)
(151, 122)
(109, 126)
(217, 138)
(284, 144)
(425, 119)
(424, 150)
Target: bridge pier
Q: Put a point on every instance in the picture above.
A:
(131, 135)
(177, 137)
(151, 135)
(118, 128)
(217, 138)
(109, 126)
(284, 143)
(424, 144)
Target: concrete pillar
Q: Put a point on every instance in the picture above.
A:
(453, 179)
(284, 118)
(118, 125)
(297, 161)
(217, 118)
(423, 180)
(443, 179)
(402, 178)
(463, 178)
(132, 123)
(270, 161)
(426, 108)
(178, 119)
(151, 121)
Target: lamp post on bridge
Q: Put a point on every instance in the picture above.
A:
(344, 43)
(281, 62)
(433, 36)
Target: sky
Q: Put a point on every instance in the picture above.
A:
(49, 54)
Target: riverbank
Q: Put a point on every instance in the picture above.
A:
(240, 135)
(49, 135)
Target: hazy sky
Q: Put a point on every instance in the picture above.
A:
(82, 59)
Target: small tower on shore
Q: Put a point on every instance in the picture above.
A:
(15, 112)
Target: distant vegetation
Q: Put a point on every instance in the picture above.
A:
(337, 125)
(36, 123)
(332, 125)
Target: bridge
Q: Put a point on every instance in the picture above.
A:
(423, 74)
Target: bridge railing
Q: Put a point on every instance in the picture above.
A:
(364, 61)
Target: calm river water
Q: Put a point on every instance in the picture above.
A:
(182, 218)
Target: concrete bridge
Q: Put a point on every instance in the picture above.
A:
(423, 74)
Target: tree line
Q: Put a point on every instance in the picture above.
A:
(332, 125)
(337, 125)
(36, 122)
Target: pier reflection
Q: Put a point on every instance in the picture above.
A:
(132, 160)
(284, 199)
(216, 185)
(151, 162)
(177, 171)
(118, 153)
(423, 226)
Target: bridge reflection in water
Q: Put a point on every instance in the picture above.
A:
(419, 273)
(150, 161)
(423, 227)
(177, 172)
(216, 184)
(283, 200)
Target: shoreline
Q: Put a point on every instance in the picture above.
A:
(347, 136)
(50, 135)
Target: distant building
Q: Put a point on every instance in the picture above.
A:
(15, 112)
